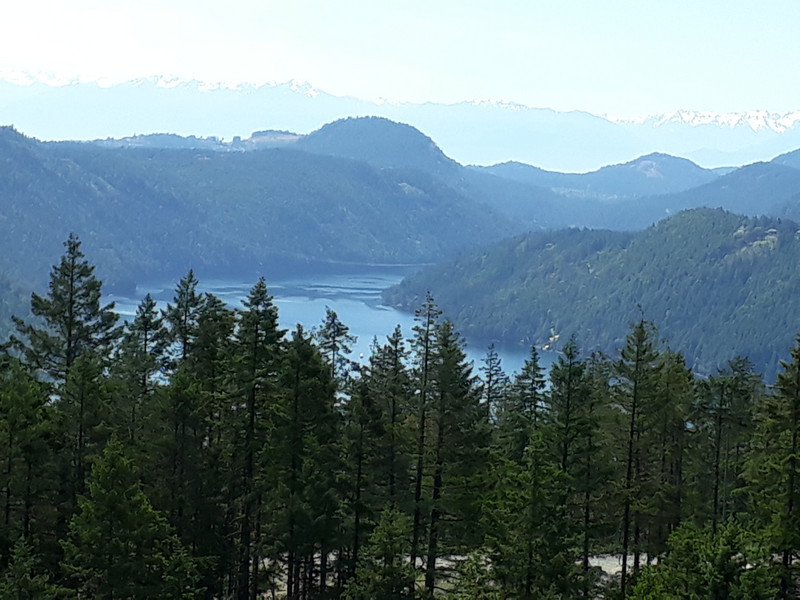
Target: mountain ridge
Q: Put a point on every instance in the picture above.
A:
(471, 132)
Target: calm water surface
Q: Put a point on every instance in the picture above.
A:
(356, 298)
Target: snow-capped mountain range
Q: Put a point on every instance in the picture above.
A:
(480, 132)
(757, 120)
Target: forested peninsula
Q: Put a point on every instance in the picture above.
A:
(203, 452)
(716, 284)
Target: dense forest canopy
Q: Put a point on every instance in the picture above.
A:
(716, 283)
(204, 452)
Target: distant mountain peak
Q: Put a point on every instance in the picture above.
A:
(757, 120)
(378, 141)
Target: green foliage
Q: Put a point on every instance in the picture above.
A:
(737, 272)
(474, 581)
(384, 571)
(151, 213)
(75, 324)
(772, 471)
(245, 470)
(120, 547)
(23, 578)
(528, 539)
(704, 564)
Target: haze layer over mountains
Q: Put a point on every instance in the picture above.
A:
(478, 132)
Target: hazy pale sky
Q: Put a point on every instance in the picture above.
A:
(617, 57)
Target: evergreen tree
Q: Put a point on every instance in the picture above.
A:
(182, 316)
(663, 464)
(308, 436)
(363, 429)
(423, 343)
(24, 579)
(390, 382)
(495, 381)
(636, 376)
(593, 469)
(86, 414)
(194, 480)
(723, 423)
(705, 564)
(458, 447)
(25, 452)
(335, 343)
(569, 397)
(257, 359)
(139, 359)
(772, 472)
(383, 570)
(520, 407)
(74, 322)
(118, 546)
(528, 542)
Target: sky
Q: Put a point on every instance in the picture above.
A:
(623, 58)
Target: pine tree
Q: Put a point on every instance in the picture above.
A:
(668, 447)
(458, 446)
(390, 382)
(723, 422)
(521, 407)
(182, 316)
(335, 344)
(383, 570)
(139, 359)
(363, 430)
(495, 381)
(569, 397)
(24, 579)
(118, 546)
(528, 542)
(636, 376)
(423, 343)
(74, 322)
(25, 454)
(307, 442)
(772, 472)
(257, 355)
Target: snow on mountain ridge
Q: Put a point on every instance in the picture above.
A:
(757, 120)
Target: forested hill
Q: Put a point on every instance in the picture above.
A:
(626, 196)
(363, 190)
(645, 176)
(150, 212)
(715, 283)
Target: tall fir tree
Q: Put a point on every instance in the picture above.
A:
(118, 546)
(137, 363)
(634, 390)
(182, 317)
(257, 355)
(520, 408)
(459, 451)
(423, 344)
(773, 473)
(74, 322)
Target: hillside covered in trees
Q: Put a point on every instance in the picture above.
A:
(716, 283)
(156, 212)
(364, 190)
(202, 452)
